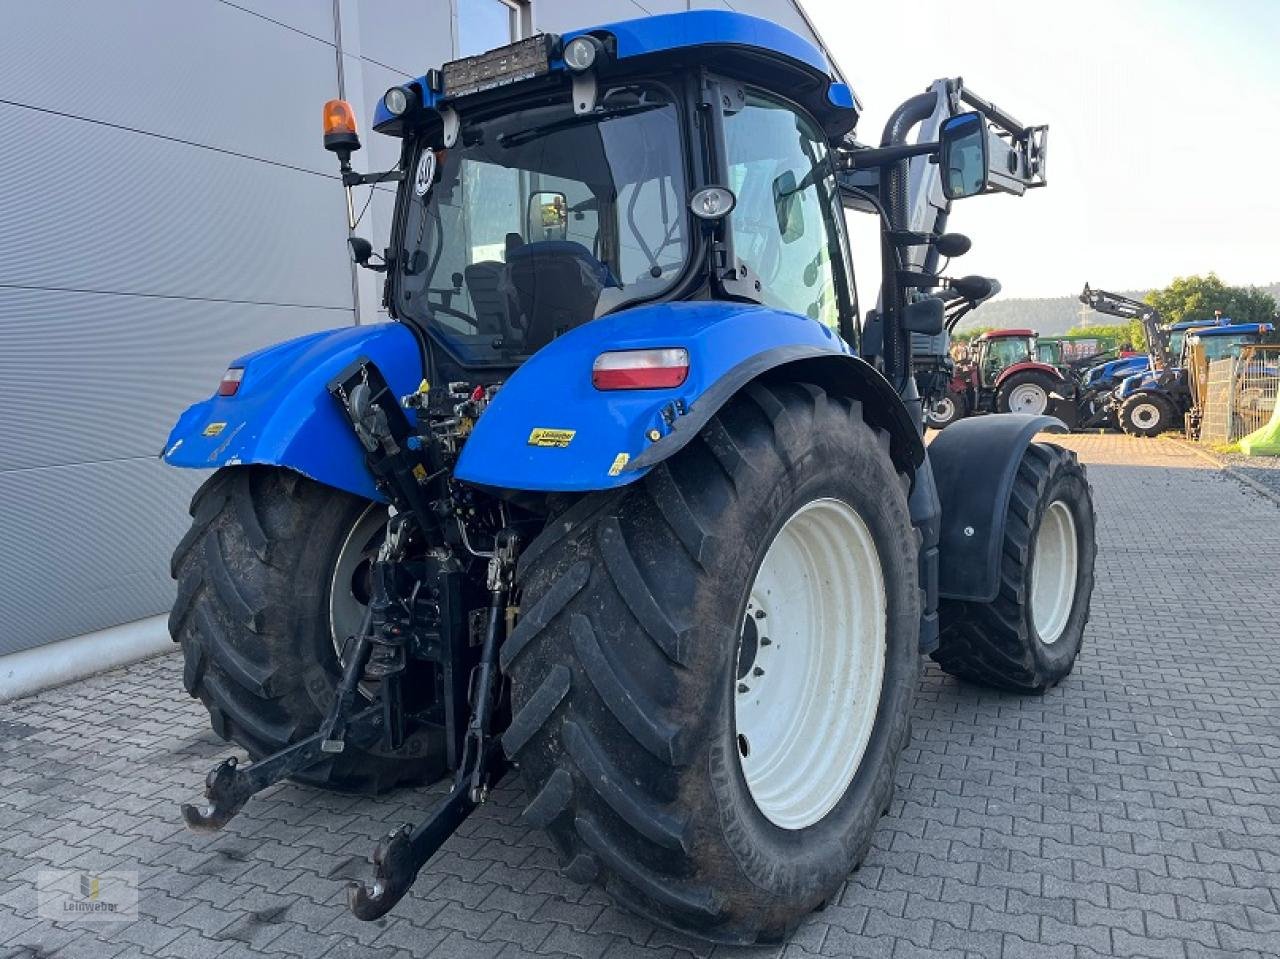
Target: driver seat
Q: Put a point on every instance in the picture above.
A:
(555, 286)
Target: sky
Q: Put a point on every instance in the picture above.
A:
(1164, 140)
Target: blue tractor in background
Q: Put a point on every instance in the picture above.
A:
(1157, 400)
(630, 497)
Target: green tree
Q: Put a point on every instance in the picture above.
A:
(1119, 333)
(971, 334)
(1196, 297)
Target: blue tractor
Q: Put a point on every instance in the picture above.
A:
(630, 497)
(1159, 399)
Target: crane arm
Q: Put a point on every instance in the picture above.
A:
(1126, 308)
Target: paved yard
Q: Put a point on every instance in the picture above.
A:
(1135, 810)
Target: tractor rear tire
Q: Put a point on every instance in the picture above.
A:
(253, 616)
(632, 694)
(1028, 639)
(954, 406)
(1145, 414)
(1022, 393)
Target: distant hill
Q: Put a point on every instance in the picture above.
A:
(1049, 315)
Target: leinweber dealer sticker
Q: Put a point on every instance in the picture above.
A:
(87, 896)
(547, 437)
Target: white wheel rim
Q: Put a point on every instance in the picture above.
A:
(810, 664)
(1028, 398)
(1145, 416)
(347, 594)
(1053, 572)
(943, 410)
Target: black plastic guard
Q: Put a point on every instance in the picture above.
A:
(975, 462)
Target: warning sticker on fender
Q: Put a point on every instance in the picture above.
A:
(542, 436)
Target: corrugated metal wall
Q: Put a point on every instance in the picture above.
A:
(166, 207)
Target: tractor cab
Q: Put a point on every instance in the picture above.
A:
(1177, 332)
(562, 180)
(997, 350)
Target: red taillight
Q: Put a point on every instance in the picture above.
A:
(231, 381)
(641, 369)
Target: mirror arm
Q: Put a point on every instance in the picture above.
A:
(352, 178)
(884, 156)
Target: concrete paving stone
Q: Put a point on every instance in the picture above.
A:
(565, 940)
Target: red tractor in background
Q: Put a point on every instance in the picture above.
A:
(999, 374)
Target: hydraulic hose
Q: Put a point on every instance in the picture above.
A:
(897, 344)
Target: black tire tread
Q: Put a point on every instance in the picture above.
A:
(990, 644)
(236, 569)
(1125, 415)
(615, 813)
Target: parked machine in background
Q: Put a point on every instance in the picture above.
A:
(999, 374)
(1005, 371)
(629, 498)
(1163, 399)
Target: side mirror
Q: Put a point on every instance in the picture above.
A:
(361, 250)
(963, 156)
(924, 316)
(548, 216)
(786, 206)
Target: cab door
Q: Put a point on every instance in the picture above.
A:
(788, 225)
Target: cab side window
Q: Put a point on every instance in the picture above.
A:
(782, 226)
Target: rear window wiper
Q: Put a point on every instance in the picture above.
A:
(509, 140)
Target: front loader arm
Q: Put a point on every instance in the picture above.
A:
(1125, 308)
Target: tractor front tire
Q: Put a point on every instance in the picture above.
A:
(1028, 639)
(1145, 414)
(256, 573)
(776, 548)
(1030, 391)
(951, 407)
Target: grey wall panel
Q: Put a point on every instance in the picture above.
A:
(314, 17)
(198, 70)
(417, 36)
(557, 16)
(779, 11)
(92, 377)
(87, 547)
(92, 208)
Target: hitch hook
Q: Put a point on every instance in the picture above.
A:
(227, 791)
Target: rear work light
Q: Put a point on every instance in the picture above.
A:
(641, 369)
(231, 381)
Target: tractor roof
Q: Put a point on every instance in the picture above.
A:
(1001, 334)
(733, 42)
(1235, 329)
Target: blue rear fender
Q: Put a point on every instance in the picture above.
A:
(612, 438)
(283, 415)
